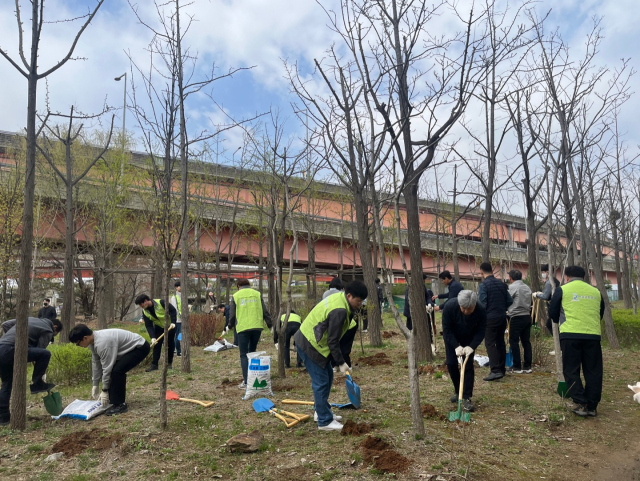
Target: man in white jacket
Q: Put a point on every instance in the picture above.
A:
(114, 352)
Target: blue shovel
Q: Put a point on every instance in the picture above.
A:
(353, 391)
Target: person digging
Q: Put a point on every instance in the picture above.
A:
(318, 341)
(293, 325)
(40, 334)
(114, 352)
(464, 321)
(153, 312)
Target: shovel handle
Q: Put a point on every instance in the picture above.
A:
(293, 401)
(160, 337)
(464, 364)
(299, 417)
(195, 401)
(283, 419)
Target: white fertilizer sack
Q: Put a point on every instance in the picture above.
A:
(219, 346)
(84, 410)
(482, 361)
(258, 375)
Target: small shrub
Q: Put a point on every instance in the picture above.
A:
(205, 328)
(69, 364)
(627, 327)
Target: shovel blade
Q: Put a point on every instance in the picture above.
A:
(455, 415)
(509, 359)
(353, 391)
(563, 389)
(465, 417)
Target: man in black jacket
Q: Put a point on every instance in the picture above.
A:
(454, 288)
(428, 300)
(41, 332)
(153, 312)
(47, 311)
(494, 296)
(463, 326)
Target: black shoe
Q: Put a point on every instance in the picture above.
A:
(117, 409)
(467, 405)
(40, 386)
(592, 412)
(152, 367)
(454, 398)
(170, 366)
(580, 410)
(179, 354)
(494, 376)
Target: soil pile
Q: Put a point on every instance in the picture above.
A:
(379, 452)
(226, 382)
(283, 387)
(356, 429)
(426, 369)
(379, 359)
(429, 411)
(389, 334)
(74, 443)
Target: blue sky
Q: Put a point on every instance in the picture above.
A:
(239, 33)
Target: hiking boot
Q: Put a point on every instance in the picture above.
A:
(152, 367)
(580, 410)
(467, 405)
(41, 386)
(332, 426)
(335, 417)
(117, 409)
(454, 398)
(242, 385)
(592, 412)
(494, 376)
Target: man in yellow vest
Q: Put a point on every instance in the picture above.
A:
(176, 301)
(293, 325)
(318, 342)
(247, 313)
(153, 312)
(578, 307)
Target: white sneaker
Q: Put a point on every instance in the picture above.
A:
(335, 417)
(519, 371)
(365, 330)
(528, 371)
(242, 385)
(552, 353)
(333, 426)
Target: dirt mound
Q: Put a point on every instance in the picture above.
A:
(379, 359)
(226, 382)
(429, 411)
(284, 387)
(379, 452)
(74, 443)
(356, 429)
(426, 369)
(389, 334)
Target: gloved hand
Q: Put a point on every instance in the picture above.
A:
(536, 294)
(44, 377)
(172, 326)
(429, 309)
(141, 321)
(459, 351)
(95, 392)
(344, 367)
(104, 398)
(225, 330)
(467, 351)
(153, 341)
(276, 344)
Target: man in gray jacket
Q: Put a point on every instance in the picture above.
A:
(520, 322)
(114, 352)
(41, 332)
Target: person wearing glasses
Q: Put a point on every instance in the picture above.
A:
(114, 352)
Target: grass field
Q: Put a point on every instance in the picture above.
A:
(520, 430)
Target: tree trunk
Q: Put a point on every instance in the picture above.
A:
(417, 303)
(616, 255)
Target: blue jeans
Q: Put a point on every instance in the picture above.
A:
(321, 382)
(247, 342)
(178, 331)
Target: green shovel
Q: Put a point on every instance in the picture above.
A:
(459, 415)
(53, 403)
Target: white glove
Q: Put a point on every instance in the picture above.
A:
(276, 344)
(225, 330)
(172, 326)
(44, 378)
(104, 398)
(95, 392)
(141, 321)
(467, 351)
(429, 309)
(536, 294)
(459, 351)
(344, 367)
(153, 341)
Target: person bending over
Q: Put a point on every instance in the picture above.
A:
(153, 312)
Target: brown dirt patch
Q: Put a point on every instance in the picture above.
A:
(284, 387)
(379, 452)
(294, 474)
(230, 383)
(379, 359)
(426, 369)
(351, 428)
(430, 411)
(75, 443)
(389, 334)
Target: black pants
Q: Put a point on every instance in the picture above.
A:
(496, 347)
(585, 353)
(454, 373)
(41, 358)
(520, 331)
(292, 328)
(247, 343)
(157, 349)
(118, 386)
(429, 322)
